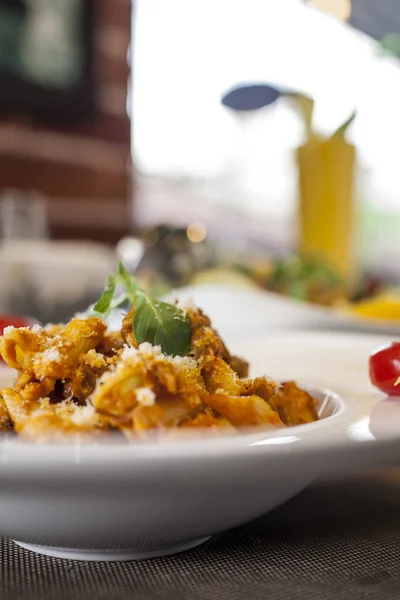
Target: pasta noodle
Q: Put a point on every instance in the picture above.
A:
(80, 378)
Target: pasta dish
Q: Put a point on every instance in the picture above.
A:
(165, 369)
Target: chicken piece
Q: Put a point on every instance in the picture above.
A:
(83, 381)
(220, 378)
(206, 344)
(294, 405)
(240, 366)
(81, 384)
(259, 386)
(244, 411)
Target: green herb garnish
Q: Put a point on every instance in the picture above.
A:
(132, 287)
(103, 304)
(157, 322)
(162, 324)
(107, 303)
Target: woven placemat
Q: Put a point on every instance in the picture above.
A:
(336, 541)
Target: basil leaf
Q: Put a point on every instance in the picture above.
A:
(162, 324)
(103, 304)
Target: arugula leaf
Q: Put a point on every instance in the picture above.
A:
(106, 303)
(131, 285)
(162, 324)
(154, 321)
(103, 304)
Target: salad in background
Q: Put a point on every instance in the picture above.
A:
(168, 260)
(311, 280)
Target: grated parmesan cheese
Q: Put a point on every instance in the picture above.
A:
(50, 355)
(146, 349)
(84, 416)
(184, 361)
(220, 391)
(8, 329)
(36, 328)
(145, 396)
(128, 352)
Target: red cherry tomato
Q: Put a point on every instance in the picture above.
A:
(384, 368)
(7, 320)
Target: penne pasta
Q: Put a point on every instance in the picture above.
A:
(81, 379)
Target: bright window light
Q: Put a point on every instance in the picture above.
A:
(187, 53)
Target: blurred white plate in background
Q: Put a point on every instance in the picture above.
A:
(241, 312)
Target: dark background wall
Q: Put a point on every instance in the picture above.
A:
(82, 166)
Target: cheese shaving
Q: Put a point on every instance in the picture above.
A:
(84, 416)
(129, 352)
(145, 396)
(149, 351)
(184, 361)
(50, 355)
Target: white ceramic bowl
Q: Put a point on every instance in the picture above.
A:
(119, 502)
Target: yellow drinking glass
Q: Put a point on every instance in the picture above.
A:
(326, 209)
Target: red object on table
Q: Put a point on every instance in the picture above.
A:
(7, 320)
(384, 368)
